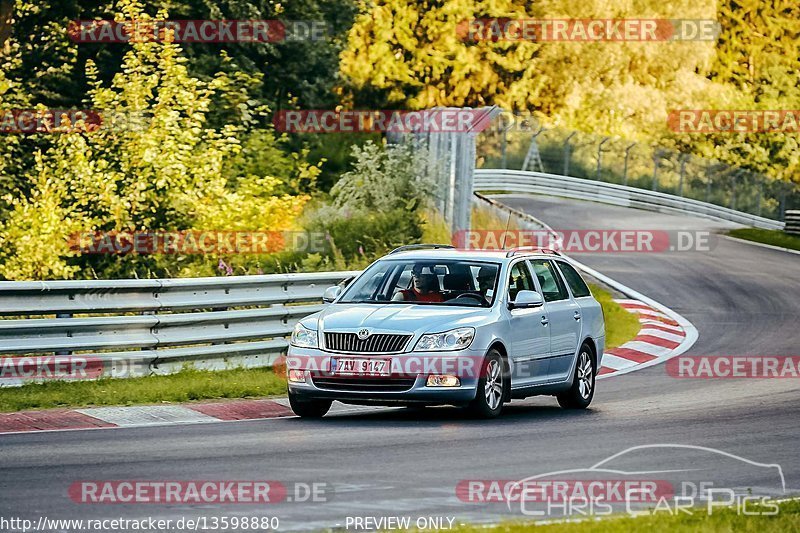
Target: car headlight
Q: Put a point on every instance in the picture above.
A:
(455, 339)
(302, 337)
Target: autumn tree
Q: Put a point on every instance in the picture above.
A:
(155, 165)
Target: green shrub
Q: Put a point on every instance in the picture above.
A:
(364, 236)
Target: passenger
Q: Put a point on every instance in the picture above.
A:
(424, 288)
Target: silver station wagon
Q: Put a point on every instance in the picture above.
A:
(432, 325)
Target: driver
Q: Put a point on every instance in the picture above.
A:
(486, 277)
(424, 288)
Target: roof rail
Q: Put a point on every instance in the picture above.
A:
(534, 249)
(408, 247)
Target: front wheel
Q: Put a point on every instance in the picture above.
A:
(488, 402)
(309, 408)
(580, 395)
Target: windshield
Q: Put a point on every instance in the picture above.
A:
(426, 282)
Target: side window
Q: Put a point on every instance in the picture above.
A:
(519, 279)
(553, 288)
(404, 281)
(574, 280)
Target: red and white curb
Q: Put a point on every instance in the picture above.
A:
(658, 337)
(664, 334)
(140, 416)
(153, 415)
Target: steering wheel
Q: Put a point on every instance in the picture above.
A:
(472, 296)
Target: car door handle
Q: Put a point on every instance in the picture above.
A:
(576, 316)
(545, 321)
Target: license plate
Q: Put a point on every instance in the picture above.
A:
(356, 366)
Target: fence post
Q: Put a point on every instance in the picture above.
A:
(600, 156)
(533, 152)
(504, 143)
(684, 157)
(760, 179)
(656, 161)
(567, 152)
(782, 215)
(625, 168)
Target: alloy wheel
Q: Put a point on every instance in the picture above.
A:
(585, 375)
(494, 384)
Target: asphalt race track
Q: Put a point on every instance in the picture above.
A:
(744, 300)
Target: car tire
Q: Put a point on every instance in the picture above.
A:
(309, 408)
(488, 402)
(580, 394)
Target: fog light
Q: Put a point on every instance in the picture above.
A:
(297, 376)
(446, 380)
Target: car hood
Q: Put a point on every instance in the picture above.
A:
(407, 318)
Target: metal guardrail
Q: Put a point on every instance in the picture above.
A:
(583, 189)
(138, 327)
(793, 222)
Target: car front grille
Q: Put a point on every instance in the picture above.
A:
(363, 384)
(377, 343)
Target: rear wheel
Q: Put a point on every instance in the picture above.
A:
(309, 408)
(580, 395)
(488, 402)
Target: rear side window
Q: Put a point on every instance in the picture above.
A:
(553, 288)
(574, 280)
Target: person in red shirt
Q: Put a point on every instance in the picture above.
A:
(424, 288)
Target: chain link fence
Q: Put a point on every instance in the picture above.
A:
(450, 164)
(612, 160)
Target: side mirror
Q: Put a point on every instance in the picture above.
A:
(331, 293)
(526, 300)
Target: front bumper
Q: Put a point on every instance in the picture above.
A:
(406, 385)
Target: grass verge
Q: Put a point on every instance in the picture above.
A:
(722, 520)
(767, 236)
(621, 325)
(184, 386)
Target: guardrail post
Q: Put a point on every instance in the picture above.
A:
(64, 315)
